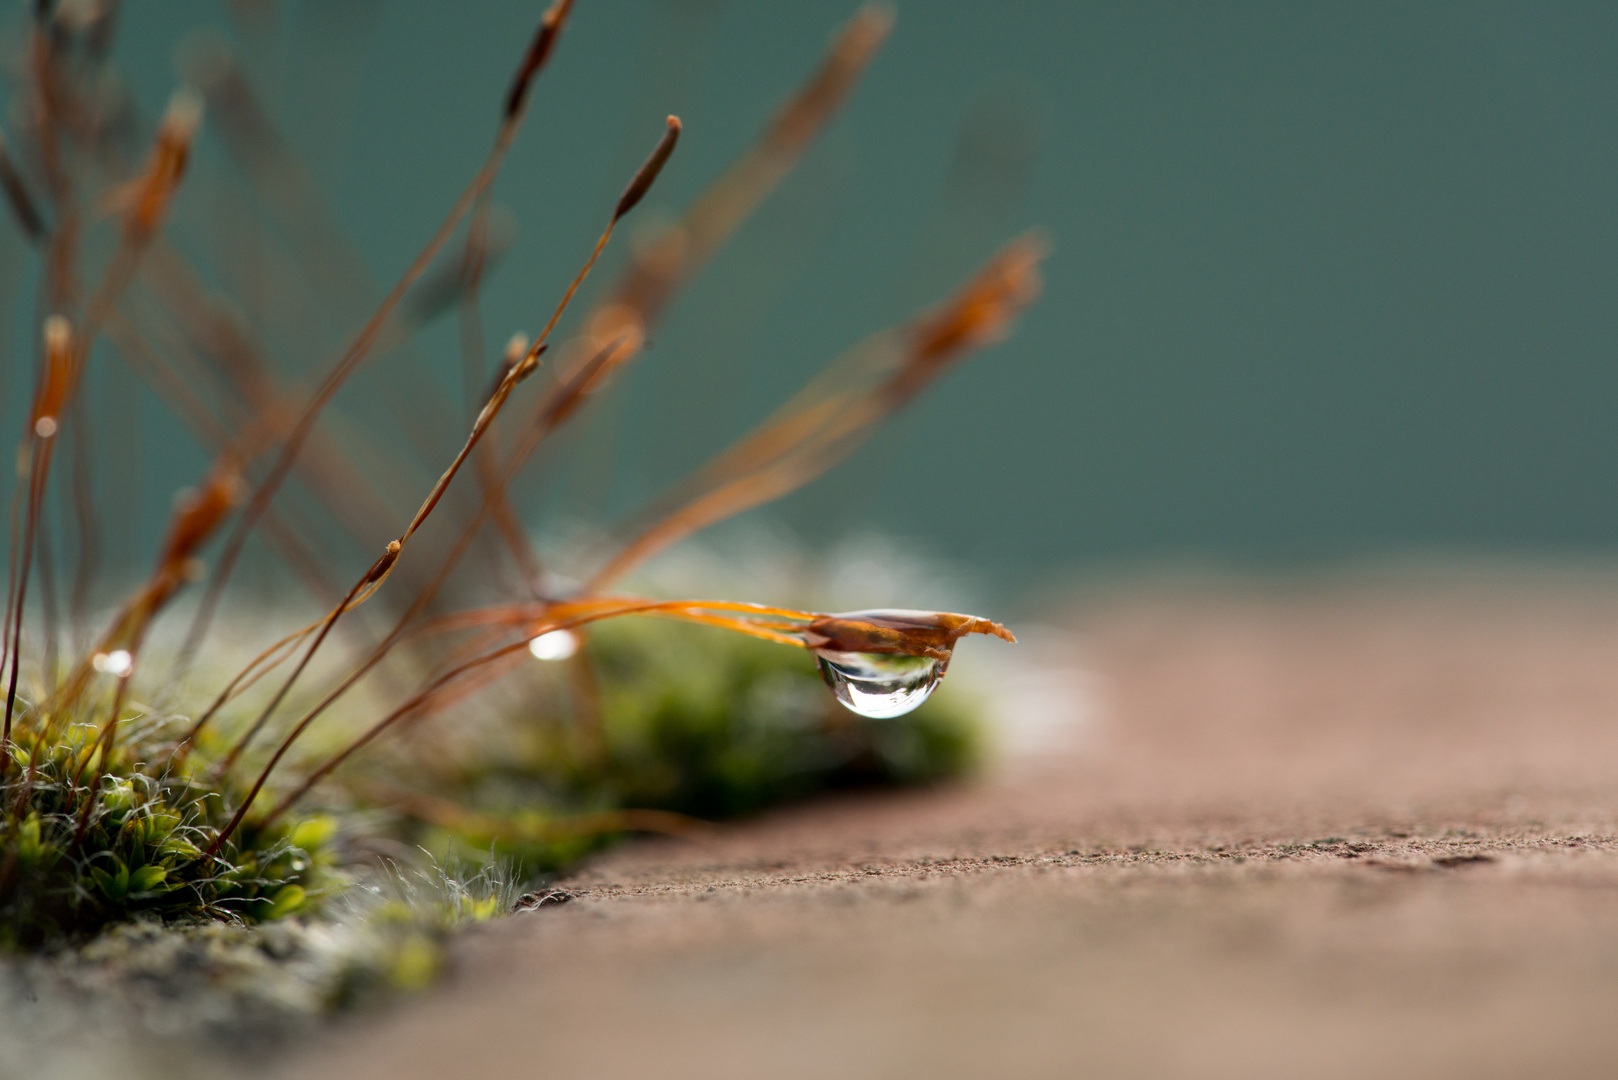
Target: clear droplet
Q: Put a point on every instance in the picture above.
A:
(555, 645)
(879, 685)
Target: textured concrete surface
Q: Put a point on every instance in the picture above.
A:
(1333, 831)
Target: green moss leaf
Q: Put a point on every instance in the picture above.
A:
(147, 878)
(287, 900)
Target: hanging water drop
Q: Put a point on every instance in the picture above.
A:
(879, 685)
(884, 663)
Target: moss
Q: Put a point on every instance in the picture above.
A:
(87, 842)
(694, 722)
(718, 726)
(199, 998)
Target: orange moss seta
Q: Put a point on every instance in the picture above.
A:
(914, 633)
(155, 189)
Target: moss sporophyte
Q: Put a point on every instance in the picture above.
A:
(451, 691)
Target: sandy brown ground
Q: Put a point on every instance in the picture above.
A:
(1369, 829)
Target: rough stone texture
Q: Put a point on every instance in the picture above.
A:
(1364, 829)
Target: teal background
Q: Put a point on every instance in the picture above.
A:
(1327, 280)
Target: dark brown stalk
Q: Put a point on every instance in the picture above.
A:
(642, 181)
(616, 328)
(150, 196)
(539, 51)
(179, 395)
(22, 204)
(53, 379)
(14, 519)
(834, 413)
(487, 468)
(156, 370)
(656, 274)
(50, 101)
(423, 600)
(373, 576)
(550, 27)
(350, 494)
(36, 476)
(638, 186)
(685, 248)
(378, 570)
(421, 698)
(563, 406)
(495, 493)
(53, 392)
(105, 739)
(261, 665)
(279, 185)
(44, 68)
(194, 521)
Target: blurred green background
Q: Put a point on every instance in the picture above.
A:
(1328, 280)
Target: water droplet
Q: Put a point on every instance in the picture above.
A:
(879, 685)
(555, 645)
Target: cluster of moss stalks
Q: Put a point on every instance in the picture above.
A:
(692, 725)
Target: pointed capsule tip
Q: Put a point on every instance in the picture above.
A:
(539, 51)
(184, 113)
(642, 183)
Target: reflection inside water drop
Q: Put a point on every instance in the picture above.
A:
(879, 685)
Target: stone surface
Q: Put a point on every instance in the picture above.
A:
(1333, 831)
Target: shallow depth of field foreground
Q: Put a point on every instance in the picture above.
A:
(1360, 827)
